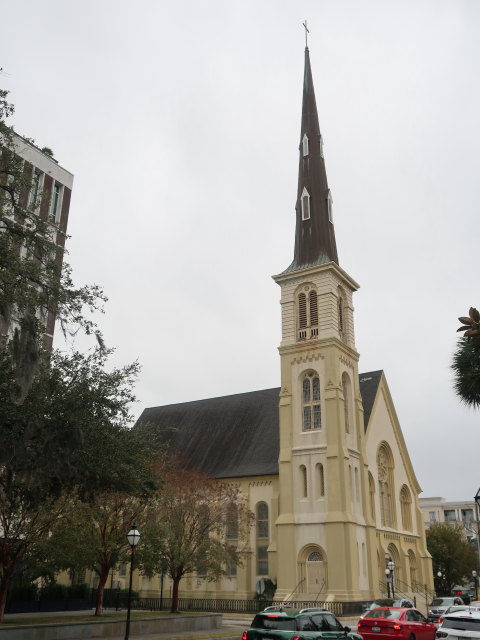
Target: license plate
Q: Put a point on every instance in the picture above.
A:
(375, 628)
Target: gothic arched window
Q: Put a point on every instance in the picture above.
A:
(262, 538)
(406, 508)
(320, 474)
(347, 399)
(385, 485)
(311, 402)
(305, 200)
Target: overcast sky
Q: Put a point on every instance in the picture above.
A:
(181, 121)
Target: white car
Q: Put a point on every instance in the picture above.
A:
(460, 625)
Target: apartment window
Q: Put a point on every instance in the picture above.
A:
(34, 190)
(431, 516)
(54, 202)
(305, 204)
(450, 515)
(232, 522)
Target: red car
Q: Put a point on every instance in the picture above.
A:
(395, 623)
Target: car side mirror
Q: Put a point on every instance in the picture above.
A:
(347, 629)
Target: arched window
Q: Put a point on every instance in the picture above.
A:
(371, 491)
(313, 308)
(330, 206)
(385, 485)
(320, 478)
(305, 144)
(412, 561)
(262, 539)
(305, 204)
(232, 522)
(347, 400)
(406, 507)
(341, 317)
(303, 481)
(307, 313)
(311, 402)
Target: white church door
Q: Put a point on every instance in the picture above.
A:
(316, 573)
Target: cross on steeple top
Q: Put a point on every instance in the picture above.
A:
(304, 24)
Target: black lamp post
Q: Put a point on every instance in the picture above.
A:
(391, 568)
(133, 537)
(475, 580)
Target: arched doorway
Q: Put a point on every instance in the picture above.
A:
(316, 572)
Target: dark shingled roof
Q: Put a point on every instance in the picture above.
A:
(231, 436)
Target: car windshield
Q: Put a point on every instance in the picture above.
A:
(438, 602)
(393, 614)
(274, 622)
(463, 624)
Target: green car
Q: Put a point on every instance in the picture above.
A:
(280, 623)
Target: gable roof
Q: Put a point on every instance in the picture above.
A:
(231, 436)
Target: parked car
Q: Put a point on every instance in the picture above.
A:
(379, 602)
(302, 624)
(386, 602)
(463, 593)
(396, 622)
(460, 625)
(459, 607)
(438, 606)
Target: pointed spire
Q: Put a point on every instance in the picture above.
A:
(314, 234)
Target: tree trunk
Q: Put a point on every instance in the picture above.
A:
(3, 593)
(103, 577)
(176, 582)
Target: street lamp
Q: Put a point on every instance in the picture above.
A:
(388, 580)
(476, 497)
(475, 580)
(391, 567)
(133, 537)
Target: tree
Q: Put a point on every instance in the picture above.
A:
(92, 535)
(451, 554)
(34, 278)
(68, 438)
(195, 524)
(466, 360)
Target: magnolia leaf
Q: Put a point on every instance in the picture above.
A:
(474, 314)
(463, 328)
(465, 320)
(472, 332)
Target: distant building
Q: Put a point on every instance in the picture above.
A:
(460, 513)
(49, 195)
(321, 458)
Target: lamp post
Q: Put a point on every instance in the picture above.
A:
(388, 580)
(391, 568)
(475, 580)
(439, 576)
(476, 497)
(133, 537)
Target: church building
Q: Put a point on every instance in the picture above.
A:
(321, 458)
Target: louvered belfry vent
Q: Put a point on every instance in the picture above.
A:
(307, 314)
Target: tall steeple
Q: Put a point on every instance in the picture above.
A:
(314, 235)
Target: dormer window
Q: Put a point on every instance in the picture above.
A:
(305, 204)
(305, 144)
(329, 206)
(321, 145)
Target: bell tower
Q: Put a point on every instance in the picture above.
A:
(325, 532)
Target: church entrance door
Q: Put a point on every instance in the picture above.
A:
(316, 573)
